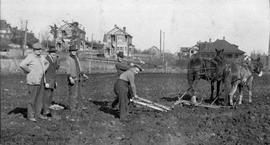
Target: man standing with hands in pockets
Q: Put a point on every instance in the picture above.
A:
(50, 84)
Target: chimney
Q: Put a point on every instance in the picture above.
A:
(209, 39)
(223, 37)
(115, 25)
(124, 28)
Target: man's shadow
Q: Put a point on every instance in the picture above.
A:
(105, 107)
(19, 110)
(23, 111)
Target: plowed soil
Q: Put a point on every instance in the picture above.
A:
(99, 124)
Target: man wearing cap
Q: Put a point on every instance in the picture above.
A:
(122, 89)
(34, 65)
(121, 67)
(50, 76)
(75, 77)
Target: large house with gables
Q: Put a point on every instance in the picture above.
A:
(70, 33)
(207, 49)
(118, 40)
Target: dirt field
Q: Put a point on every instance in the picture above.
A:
(99, 125)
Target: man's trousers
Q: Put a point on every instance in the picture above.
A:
(122, 90)
(35, 103)
(47, 99)
(75, 98)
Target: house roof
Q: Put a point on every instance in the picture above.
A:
(4, 24)
(116, 29)
(220, 44)
(72, 25)
(154, 48)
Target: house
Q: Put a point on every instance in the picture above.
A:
(207, 49)
(118, 40)
(12, 39)
(70, 33)
(94, 48)
(5, 30)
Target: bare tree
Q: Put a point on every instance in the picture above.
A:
(54, 32)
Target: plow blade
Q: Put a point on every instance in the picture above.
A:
(150, 104)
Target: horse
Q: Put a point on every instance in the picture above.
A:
(242, 74)
(207, 69)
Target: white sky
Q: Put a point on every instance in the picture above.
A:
(245, 23)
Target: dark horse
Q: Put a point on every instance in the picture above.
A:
(242, 74)
(208, 69)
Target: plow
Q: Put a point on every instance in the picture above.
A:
(150, 104)
(180, 101)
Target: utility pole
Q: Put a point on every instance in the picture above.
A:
(163, 47)
(269, 49)
(92, 39)
(47, 45)
(164, 61)
(160, 43)
(269, 53)
(25, 37)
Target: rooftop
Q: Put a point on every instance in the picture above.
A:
(219, 44)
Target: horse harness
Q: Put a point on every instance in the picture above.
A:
(205, 71)
(244, 76)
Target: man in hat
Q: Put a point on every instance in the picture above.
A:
(50, 76)
(121, 67)
(122, 89)
(34, 65)
(75, 77)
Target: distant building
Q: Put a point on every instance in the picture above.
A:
(154, 51)
(94, 48)
(5, 30)
(70, 34)
(207, 49)
(12, 39)
(118, 40)
(147, 54)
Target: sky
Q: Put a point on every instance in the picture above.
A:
(245, 23)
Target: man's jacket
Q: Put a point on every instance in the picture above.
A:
(71, 69)
(121, 67)
(50, 74)
(34, 67)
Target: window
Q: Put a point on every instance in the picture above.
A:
(113, 37)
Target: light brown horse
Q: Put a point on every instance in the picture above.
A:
(242, 74)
